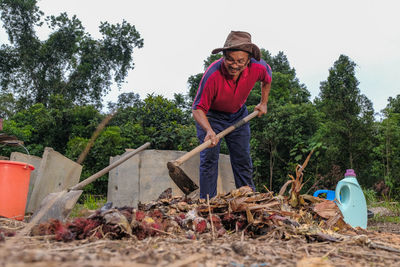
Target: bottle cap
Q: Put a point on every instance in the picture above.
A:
(350, 172)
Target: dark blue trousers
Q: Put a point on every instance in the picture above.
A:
(238, 143)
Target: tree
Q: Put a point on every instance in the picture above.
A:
(70, 62)
(7, 105)
(162, 121)
(54, 126)
(394, 105)
(348, 120)
(387, 164)
(286, 87)
(281, 140)
(194, 80)
(125, 100)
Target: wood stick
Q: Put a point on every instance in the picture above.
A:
(211, 220)
(163, 232)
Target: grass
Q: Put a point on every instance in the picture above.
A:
(389, 204)
(88, 202)
(386, 219)
(370, 196)
(374, 201)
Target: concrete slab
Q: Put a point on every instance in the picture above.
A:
(32, 160)
(123, 182)
(145, 176)
(55, 174)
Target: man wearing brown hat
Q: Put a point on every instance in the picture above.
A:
(219, 103)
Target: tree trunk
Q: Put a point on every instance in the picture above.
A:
(351, 160)
(272, 149)
(387, 155)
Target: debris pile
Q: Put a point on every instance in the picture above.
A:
(4, 233)
(242, 210)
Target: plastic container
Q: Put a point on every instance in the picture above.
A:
(14, 187)
(330, 194)
(351, 201)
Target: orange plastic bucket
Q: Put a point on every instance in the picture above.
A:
(14, 187)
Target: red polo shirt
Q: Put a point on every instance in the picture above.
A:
(218, 91)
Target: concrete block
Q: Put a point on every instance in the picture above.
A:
(55, 173)
(32, 160)
(145, 176)
(123, 182)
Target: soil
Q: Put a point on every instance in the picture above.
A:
(379, 245)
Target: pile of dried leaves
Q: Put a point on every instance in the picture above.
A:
(241, 210)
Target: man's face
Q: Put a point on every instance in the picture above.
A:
(236, 61)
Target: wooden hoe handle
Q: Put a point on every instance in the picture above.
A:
(207, 143)
(108, 168)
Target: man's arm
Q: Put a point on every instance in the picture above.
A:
(201, 118)
(262, 106)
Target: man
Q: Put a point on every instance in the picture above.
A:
(219, 103)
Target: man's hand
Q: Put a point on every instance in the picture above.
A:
(262, 108)
(214, 139)
(201, 119)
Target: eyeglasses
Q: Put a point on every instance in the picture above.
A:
(240, 62)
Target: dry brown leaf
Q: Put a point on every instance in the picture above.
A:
(238, 204)
(326, 209)
(250, 218)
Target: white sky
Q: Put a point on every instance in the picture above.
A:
(180, 34)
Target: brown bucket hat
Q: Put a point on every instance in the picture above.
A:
(238, 40)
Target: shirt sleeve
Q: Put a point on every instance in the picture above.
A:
(204, 95)
(267, 75)
(269, 72)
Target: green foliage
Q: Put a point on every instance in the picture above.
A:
(108, 144)
(194, 82)
(281, 140)
(387, 151)
(155, 119)
(87, 202)
(158, 120)
(347, 128)
(390, 205)
(210, 60)
(93, 202)
(286, 87)
(39, 127)
(370, 196)
(70, 62)
(386, 219)
(393, 105)
(7, 105)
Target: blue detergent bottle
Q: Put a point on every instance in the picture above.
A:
(351, 201)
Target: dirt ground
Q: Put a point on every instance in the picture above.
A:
(378, 246)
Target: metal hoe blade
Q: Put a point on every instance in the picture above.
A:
(61, 206)
(181, 179)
